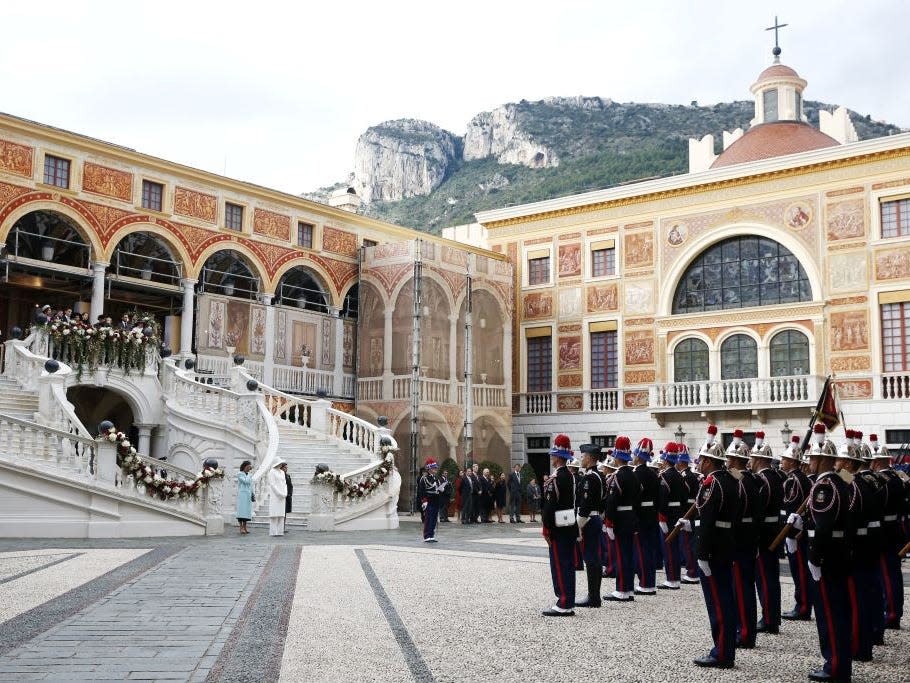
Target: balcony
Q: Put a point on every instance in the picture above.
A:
(895, 385)
(755, 393)
(431, 390)
(551, 402)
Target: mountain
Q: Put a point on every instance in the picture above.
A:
(415, 173)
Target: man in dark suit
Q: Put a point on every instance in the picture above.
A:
(467, 498)
(445, 496)
(515, 495)
(476, 494)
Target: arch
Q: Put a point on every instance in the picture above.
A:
(714, 236)
(143, 258)
(350, 302)
(224, 280)
(255, 265)
(82, 221)
(739, 357)
(177, 247)
(688, 363)
(320, 274)
(301, 283)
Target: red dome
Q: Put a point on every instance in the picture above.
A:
(775, 139)
(777, 71)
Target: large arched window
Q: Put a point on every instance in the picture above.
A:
(738, 357)
(789, 354)
(690, 361)
(741, 272)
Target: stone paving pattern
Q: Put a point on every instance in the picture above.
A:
(361, 606)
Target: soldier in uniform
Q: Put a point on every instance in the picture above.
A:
(895, 506)
(428, 495)
(771, 492)
(620, 519)
(796, 490)
(609, 546)
(692, 482)
(560, 529)
(647, 537)
(590, 503)
(672, 497)
(574, 465)
(830, 541)
(746, 533)
(866, 505)
(718, 505)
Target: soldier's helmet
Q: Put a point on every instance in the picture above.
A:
(793, 451)
(761, 449)
(878, 450)
(573, 462)
(712, 450)
(826, 448)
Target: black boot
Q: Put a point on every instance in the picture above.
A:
(594, 580)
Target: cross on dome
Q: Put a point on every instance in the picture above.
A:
(776, 28)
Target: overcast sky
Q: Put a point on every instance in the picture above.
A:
(277, 93)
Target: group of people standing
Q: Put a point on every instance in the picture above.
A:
(479, 495)
(844, 511)
(280, 490)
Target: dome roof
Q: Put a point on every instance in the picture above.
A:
(775, 139)
(777, 71)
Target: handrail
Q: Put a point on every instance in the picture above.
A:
(164, 465)
(88, 441)
(271, 452)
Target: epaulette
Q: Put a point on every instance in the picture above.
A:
(846, 476)
(737, 474)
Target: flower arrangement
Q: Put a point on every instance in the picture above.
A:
(372, 480)
(86, 347)
(149, 477)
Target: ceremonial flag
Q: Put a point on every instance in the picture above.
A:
(828, 411)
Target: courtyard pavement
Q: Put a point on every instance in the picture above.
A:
(359, 606)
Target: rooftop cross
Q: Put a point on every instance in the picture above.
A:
(777, 26)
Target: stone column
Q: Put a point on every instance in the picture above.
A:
(453, 358)
(145, 440)
(507, 363)
(186, 319)
(338, 380)
(268, 362)
(99, 269)
(387, 355)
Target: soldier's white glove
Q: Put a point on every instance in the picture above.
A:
(423, 506)
(582, 521)
(791, 545)
(705, 567)
(795, 521)
(816, 571)
(685, 525)
(611, 534)
(663, 527)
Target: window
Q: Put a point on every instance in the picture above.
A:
(741, 272)
(726, 438)
(540, 364)
(604, 360)
(896, 337)
(896, 218)
(789, 354)
(690, 361)
(738, 357)
(769, 102)
(798, 114)
(603, 262)
(370, 243)
(151, 195)
(233, 216)
(901, 436)
(603, 440)
(539, 270)
(304, 234)
(538, 443)
(56, 171)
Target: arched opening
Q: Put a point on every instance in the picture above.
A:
(145, 275)
(789, 354)
(490, 442)
(690, 361)
(351, 305)
(93, 405)
(299, 288)
(45, 260)
(742, 272)
(371, 336)
(738, 357)
(487, 338)
(229, 273)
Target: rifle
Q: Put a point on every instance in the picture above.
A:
(786, 530)
(675, 531)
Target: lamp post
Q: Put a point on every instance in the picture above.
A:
(680, 434)
(785, 433)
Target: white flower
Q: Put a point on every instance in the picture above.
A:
(148, 480)
(166, 489)
(125, 443)
(112, 437)
(66, 330)
(132, 451)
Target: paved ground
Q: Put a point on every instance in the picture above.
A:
(366, 606)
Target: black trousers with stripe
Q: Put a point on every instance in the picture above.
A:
(832, 618)
(721, 604)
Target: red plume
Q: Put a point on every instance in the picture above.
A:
(562, 441)
(738, 434)
(819, 428)
(712, 430)
(623, 443)
(794, 439)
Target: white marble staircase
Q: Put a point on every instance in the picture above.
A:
(16, 401)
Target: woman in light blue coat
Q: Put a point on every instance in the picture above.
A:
(244, 495)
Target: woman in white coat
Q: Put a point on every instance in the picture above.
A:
(278, 491)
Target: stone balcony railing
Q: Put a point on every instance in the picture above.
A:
(432, 390)
(754, 393)
(549, 402)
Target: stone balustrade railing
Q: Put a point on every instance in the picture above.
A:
(60, 450)
(732, 393)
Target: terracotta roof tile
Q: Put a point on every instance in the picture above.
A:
(774, 140)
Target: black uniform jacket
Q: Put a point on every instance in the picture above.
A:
(674, 496)
(718, 503)
(830, 532)
(590, 494)
(559, 494)
(624, 496)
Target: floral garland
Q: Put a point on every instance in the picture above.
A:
(371, 482)
(149, 478)
(86, 347)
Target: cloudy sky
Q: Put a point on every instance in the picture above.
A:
(277, 92)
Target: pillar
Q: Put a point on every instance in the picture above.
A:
(453, 358)
(186, 320)
(268, 362)
(387, 355)
(99, 269)
(145, 440)
(338, 380)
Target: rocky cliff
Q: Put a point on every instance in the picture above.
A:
(498, 134)
(403, 158)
